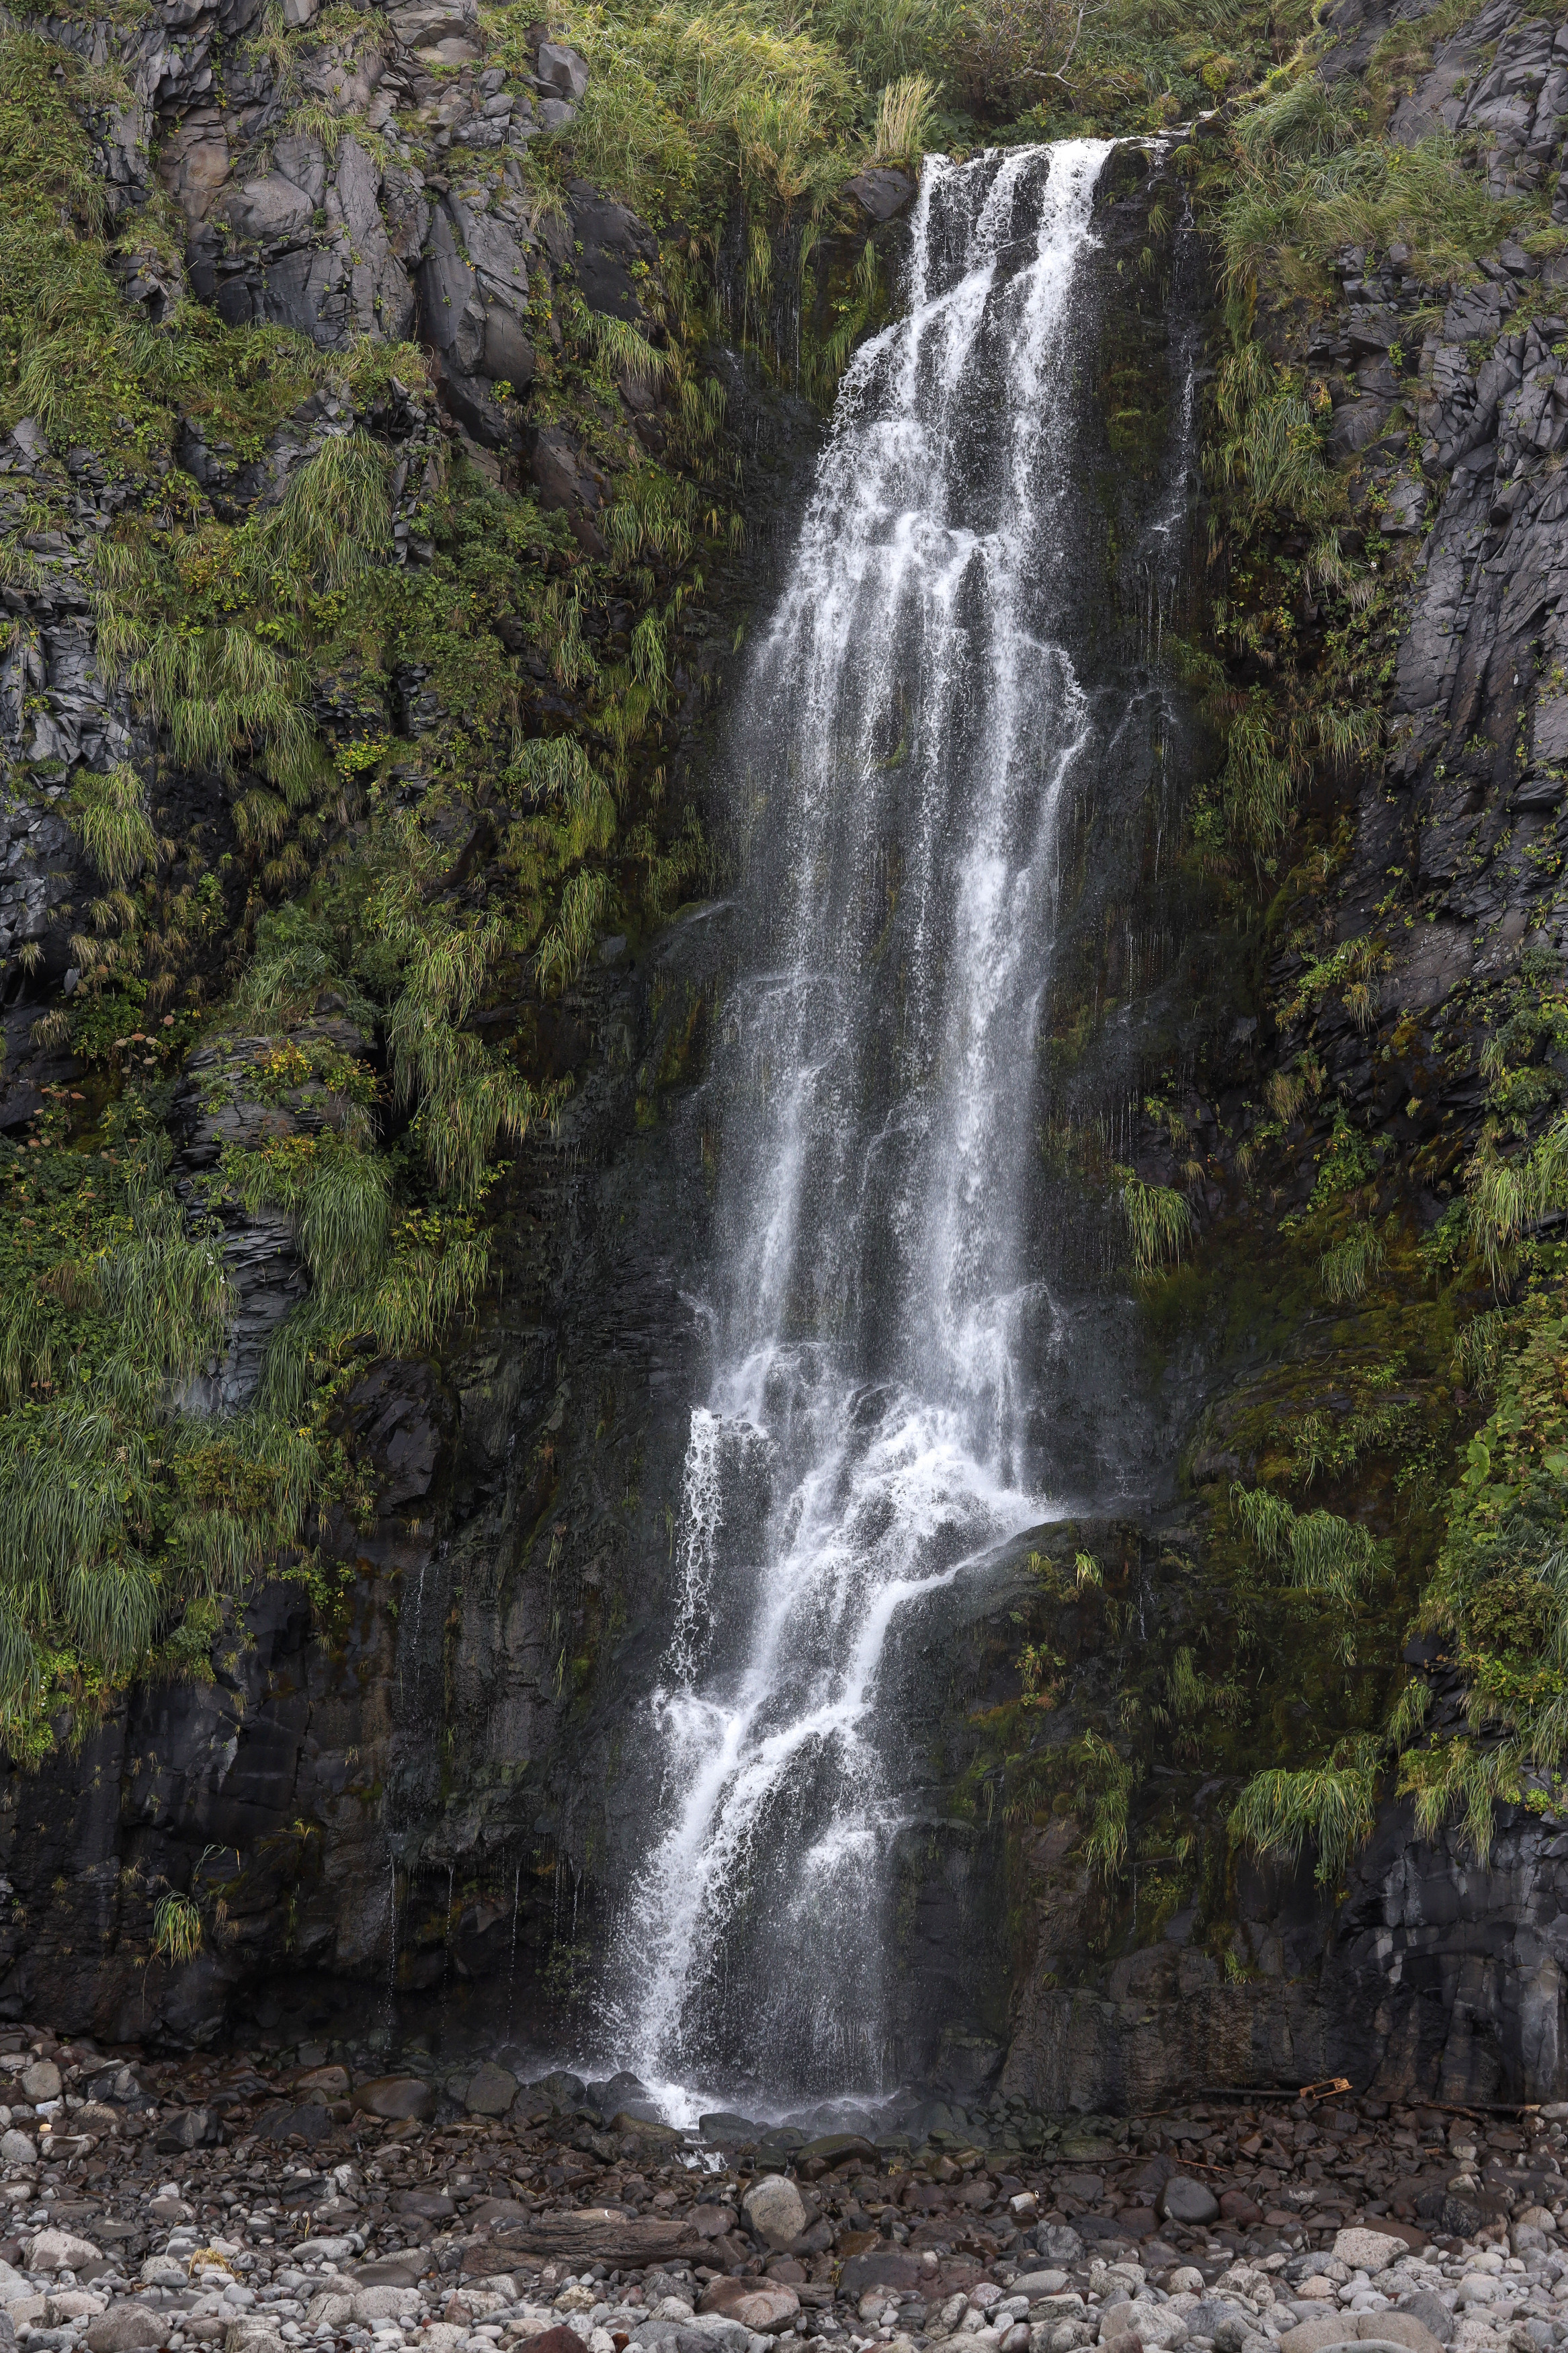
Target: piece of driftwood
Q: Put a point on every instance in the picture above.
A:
(597, 2234)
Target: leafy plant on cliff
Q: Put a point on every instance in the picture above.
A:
(1316, 1552)
(124, 1521)
(1159, 1220)
(1311, 180)
(176, 1930)
(1331, 1804)
(1348, 1265)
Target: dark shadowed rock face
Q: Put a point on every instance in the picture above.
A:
(1433, 1979)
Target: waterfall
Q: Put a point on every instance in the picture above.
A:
(912, 733)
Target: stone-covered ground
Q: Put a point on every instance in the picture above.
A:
(155, 2203)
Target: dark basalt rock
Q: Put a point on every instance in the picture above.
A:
(882, 192)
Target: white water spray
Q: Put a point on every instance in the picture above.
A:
(916, 725)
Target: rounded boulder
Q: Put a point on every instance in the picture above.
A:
(1183, 2199)
(491, 2091)
(765, 2311)
(373, 2304)
(1368, 2250)
(775, 2211)
(128, 2328)
(61, 2251)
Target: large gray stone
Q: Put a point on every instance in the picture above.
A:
(445, 284)
(1183, 2199)
(880, 191)
(425, 22)
(608, 241)
(128, 2328)
(61, 2251)
(395, 2097)
(491, 2091)
(775, 2211)
(379, 290)
(302, 160)
(371, 2304)
(1432, 2312)
(1059, 2242)
(308, 291)
(509, 356)
(476, 410)
(1369, 2250)
(564, 73)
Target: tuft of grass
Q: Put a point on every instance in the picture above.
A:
(624, 349)
(176, 1930)
(109, 819)
(1270, 442)
(1159, 1220)
(1317, 1551)
(689, 103)
(565, 947)
(1507, 1198)
(1331, 1805)
(1311, 179)
(332, 524)
(1105, 1784)
(1347, 1266)
(903, 119)
(1258, 798)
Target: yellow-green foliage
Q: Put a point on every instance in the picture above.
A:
(176, 1930)
(193, 620)
(1317, 1551)
(1349, 1263)
(109, 819)
(73, 352)
(1499, 1595)
(1271, 440)
(1508, 1196)
(686, 103)
(122, 1522)
(1312, 178)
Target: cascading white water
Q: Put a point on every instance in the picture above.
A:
(909, 733)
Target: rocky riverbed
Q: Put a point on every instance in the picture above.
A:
(170, 2204)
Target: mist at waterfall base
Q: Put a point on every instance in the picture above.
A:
(918, 1351)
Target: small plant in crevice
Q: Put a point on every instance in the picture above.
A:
(1333, 1806)
(176, 1930)
(1349, 1263)
(1158, 1221)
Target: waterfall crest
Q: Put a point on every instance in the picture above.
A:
(910, 729)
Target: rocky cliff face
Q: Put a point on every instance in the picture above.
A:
(373, 1773)
(1348, 1108)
